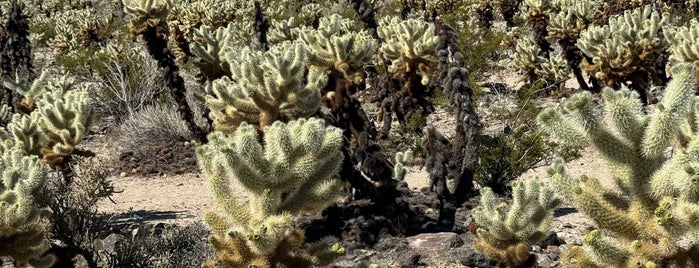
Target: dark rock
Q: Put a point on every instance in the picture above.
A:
(475, 259)
(551, 240)
(388, 243)
(435, 241)
(408, 259)
(109, 243)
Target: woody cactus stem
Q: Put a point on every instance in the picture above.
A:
(452, 164)
(485, 14)
(366, 14)
(261, 27)
(509, 8)
(156, 43)
(16, 55)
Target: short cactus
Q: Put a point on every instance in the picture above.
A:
(507, 232)
(290, 170)
(23, 234)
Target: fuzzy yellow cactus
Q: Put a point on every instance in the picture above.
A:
(291, 169)
(23, 233)
(571, 18)
(506, 233)
(627, 46)
(146, 13)
(338, 46)
(265, 87)
(652, 216)
(410, 46)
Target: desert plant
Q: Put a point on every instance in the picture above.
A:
(290, 169)
(154, 124)
(452, 162)
(76, 222)
(650, 219)
(409, 45)
(517, 145)
(23, 224)
(506, 233)
(149, 22)
(265, 87)
(626, 51)
(126, 87)
(169, 247)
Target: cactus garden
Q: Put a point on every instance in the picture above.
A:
(349, 133)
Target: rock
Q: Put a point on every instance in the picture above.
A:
(435, 241)
(567, 225)
(109, 243)
(475, 259)
(551, 240)
(408, 259)
(141, 231)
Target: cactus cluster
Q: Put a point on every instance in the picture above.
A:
(56, 119)
(506, 233)
(265, 87)
(23, 222)
(649, 219)
(626, 49)
(289, 170)
(338, 46)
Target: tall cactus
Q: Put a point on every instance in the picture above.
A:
(651, 218)
(290, 170)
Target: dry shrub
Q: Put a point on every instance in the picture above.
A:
(76, 221)
(154, 124)
(171, 247)
(127, 87)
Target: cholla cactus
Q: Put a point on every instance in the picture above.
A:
(626, 49)
(536, 13)
(507, 233)
(572, 18)
(683, 43)
(336, 46)
(265, 87)
(410, 46)
(402, 158)
(554, 68)
(209, 48)
(283, 30)
(64, 120)
(526, 58)
(58, 122)
(146, 13)
(652, 217)
(291, 171)
(22, 221)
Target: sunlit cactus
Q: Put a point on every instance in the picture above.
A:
(146, 13)
(338, 46)
(265, 87)
(410, 46)
(23, 223)
(291, 169)
(652, 215)
(506, 233)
